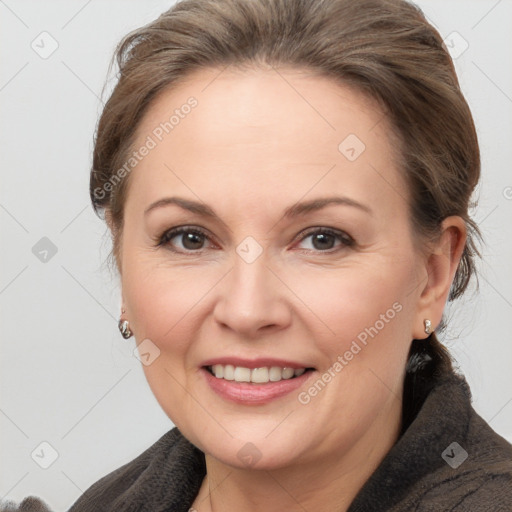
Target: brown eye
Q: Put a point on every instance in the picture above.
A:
(187, 239)
(324, 239)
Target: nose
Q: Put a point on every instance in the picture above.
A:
(253, 300)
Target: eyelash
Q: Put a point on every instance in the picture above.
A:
(164, 239)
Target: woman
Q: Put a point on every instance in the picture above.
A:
(287, 186)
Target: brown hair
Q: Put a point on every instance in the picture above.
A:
(384, 48)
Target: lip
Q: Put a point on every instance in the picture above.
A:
(245, 393)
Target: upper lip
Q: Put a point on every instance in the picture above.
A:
(255, 363)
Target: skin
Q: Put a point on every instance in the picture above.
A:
(258, 142)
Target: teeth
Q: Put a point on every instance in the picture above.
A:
(229, 372)
(242, 374)
(259, 375)
(288, 373)
(255, 375)
(275, 374)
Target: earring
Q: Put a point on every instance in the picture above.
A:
(428, 326)
(124, 327)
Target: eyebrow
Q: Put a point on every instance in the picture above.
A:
(295, 210)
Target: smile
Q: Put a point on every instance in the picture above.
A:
(261, 375)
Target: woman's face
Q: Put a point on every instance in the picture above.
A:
(297, 258)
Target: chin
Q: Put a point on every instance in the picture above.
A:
(248, 447)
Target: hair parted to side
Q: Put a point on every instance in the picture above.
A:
(384, 48)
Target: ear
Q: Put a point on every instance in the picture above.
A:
(441, 263)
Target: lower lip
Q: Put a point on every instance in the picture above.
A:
(253, 394)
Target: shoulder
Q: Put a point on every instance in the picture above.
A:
(172, 468)
(29, 504)
(476, 473)
(474, 489)
(470, 493)
(448, 459)
(169, 473)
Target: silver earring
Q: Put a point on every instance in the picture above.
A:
(124, 327)
(428, 326)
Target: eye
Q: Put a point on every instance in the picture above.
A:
(323, 239)
(192, 239)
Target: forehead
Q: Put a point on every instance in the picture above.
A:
(263, 131)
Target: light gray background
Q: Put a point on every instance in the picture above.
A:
(67, 377)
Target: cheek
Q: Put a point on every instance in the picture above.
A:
(163, 304)
(363, 334)
(363, 316)
(356, 302)
(162, 301)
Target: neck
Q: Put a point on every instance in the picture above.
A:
(329, 483)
